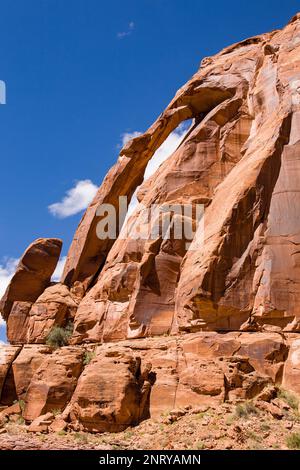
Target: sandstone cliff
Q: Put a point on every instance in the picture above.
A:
(167, 306)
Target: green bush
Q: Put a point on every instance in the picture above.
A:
(243, 411)
(20, 420)
(21, 404)
(289, 398)
(293, 441)
(81, 437)
(59, 336)
(265, 427)
(200, 445)
(255, 437)
(87, 357)
(230, 419)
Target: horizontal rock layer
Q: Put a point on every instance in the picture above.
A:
(145, 312)
(111, 386)
(240, 270)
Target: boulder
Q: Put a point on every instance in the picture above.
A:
(108, 394)
(7, 355)
(33, 273)
(267, 353)
(274, 410)
(11, 410)
(56, 306)
(17, 322)
(41, 423)
(53, 383)
(25, 365)
(57, 425)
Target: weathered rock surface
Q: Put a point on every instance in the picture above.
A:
(108, 393)
(53, 383)
(240, 269)
(111, 386)
(25, 365)
(291, 376)
(41, 423)
(56, 306)
(7, 355)
(164, 322)
(17, 322)
(32, 276)
(239, 159)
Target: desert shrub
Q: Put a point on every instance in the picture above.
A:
(81, 437)
(59, 336)
(230, 419)
(128, 435)
(199, 445)
(293, 441)
(200, 415)
(243, 411)
(265, 427)
(255, 437)
(256, 446)
(289, 398)
(56, 411)
(87, 357)
(21, 404)
(20, 420)
(15, 428)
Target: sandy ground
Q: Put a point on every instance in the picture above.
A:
(227, 426)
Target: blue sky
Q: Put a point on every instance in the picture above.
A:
(82, 73)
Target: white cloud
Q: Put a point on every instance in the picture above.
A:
(132, 205)
(59, 269)
(165, 150)
(127, 136)
(123, 34)
(7, 270)
(76, 199)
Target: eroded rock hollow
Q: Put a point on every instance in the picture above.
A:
(167, 322)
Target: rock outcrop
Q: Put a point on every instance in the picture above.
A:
(110, 386)
(31, 278)
(53, 383)
(160, 322)
(239, 160)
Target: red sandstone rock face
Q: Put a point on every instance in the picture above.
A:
(56, 306)
(25, 365)
(32, 276)
(158, 303)
(126, 382)
(291, 376)
(17, 322)
(108, 396)
(7, 355)
(53, 383)
(240, 160)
